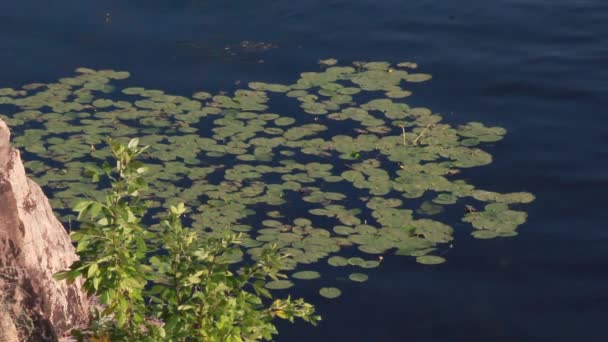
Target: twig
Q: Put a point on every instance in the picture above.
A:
(403, 130)
(422, 133)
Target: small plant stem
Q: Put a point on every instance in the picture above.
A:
(403, 130)
(422, 133)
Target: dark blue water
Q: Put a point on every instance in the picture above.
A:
(538, 68)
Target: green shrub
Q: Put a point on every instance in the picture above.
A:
(172, 283)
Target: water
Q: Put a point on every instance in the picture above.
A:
(538, 68)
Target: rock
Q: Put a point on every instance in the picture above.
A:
(8, 330)
(33, 246)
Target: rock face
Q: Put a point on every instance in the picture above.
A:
(33, 246)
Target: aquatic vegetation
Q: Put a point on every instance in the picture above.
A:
(330, 292)
(358, 277)
(307, 275)
(357, 170)
(430, 259)
(279, 284)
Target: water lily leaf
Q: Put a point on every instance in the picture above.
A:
(515, 197)
(279, 88)
(398, 93)
(279, 284)
(284, 121)
(306, 275)
(355, 261)
(272, 223)
(418, 77)
(428, 208)
(485, 234)
(433, 231)
(337, 261)
(481, 133)
(302, 222)
(409, 65)
(343, 230)
(430, 260)
(369, 264)
(328, 62)
(297, 93)
(445, 199)
(373, 249)
(358, 277)
(330, 292)
(377, 65)
(496, 217)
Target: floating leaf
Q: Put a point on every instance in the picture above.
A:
(279, 284)
(306, 275)
(430, 260)
(330, 292)
(302, 222)
(337, 261)
(355, 261)
(358, 277)
(428, 208)
(329, 61)
(417, 77)
(284, 121)
(369, 264)
(496, 217)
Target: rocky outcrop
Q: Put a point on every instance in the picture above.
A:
(33, 246)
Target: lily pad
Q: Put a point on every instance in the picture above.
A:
(430, 260)
(496, 217)
(330, 292)
(358, 277)
(337, 261)
(279, 284)
(306, 275)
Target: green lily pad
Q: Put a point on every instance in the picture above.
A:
(330, 292)
(306, 275)
(284, 121)
(355, 261)
(279, 284)
(496, 217)
(430, 260)
(337, 261)
(329, 61)
(302, 222)
(358, 277)
(369, 264)
(428, 208)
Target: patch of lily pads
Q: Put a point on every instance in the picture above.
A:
(366, 172)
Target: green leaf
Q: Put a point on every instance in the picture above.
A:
(93, 268)
(105, 297)
(94, 209)
(80, 206)
(82, 245)
(62, 275)
(96, 282)
(133, 143)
